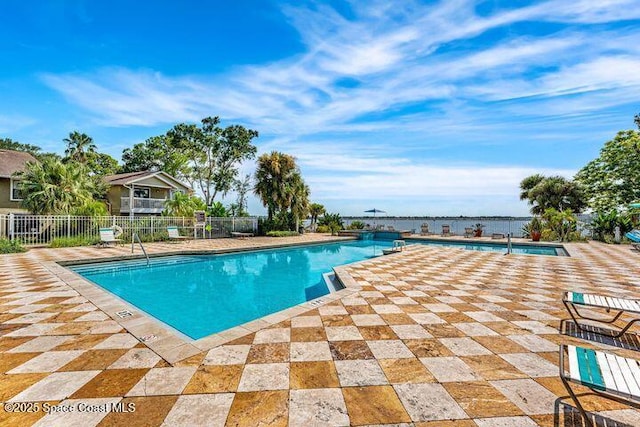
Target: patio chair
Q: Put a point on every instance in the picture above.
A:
(468, 232)
(107, 236)
(606, 374)
(174, 235)
(424, 229)
(573, 299)
(446, 230)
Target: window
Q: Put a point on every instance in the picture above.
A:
(16, 193)
(142, 193)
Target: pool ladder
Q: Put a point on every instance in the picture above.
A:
(133, 239)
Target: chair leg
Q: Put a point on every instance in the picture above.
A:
(626, 328)
(578, 405)
(569, 305)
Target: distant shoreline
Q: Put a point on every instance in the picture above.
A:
(503, 218)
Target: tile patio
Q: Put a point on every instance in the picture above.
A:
(430, 337)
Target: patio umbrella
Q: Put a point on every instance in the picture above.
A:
(375, 211)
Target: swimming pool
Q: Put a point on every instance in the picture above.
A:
(203, 294)
(494, 247)
(199, 295)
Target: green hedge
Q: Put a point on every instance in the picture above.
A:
(11, 247)
(282, 233)
(69, 242)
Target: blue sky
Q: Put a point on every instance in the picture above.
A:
(416, 107)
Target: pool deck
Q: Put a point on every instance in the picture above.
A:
(432, 336)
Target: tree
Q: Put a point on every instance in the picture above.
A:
(612, 180)
(102, 164)
(9, 144)
(79, 146)
(181, 204)
(216, 152)
(299, 199)
(53, 187)
(556, 192)
(158, 153)
(273, 172)
(217, 210)
(315, 210)
(207, 156)
(241, 187)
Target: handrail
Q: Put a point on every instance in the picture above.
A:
(135, 236)
(509, 248)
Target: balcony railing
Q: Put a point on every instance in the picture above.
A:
(141, 205)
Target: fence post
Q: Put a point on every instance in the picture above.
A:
(12, 228)
(233, 224)
(68, 226)
(152, 223)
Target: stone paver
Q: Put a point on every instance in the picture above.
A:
(432, 335)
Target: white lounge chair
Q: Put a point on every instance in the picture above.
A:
(107, 236)
(606, 374)
(573, 299)
(174, 234)
(241, 235)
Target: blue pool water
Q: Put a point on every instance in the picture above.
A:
(203, 294)
(495, 247)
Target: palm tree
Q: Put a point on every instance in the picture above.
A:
(315, 210)
(299, 199)
(274, 172)
(242, 187)
(79, 146)
(53, 187)
(555, 192)
(181, 204)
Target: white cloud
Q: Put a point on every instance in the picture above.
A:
(10, 123)
(395, 77)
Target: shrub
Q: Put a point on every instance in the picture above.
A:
(603, 225)
(277, 233)
(11, 247)
(282, 221)
(356, 225)
(561, 224)
(323, 229)
(68, 242)
(328, 218)
(333, 222)
(159, 236)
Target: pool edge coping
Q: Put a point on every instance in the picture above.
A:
(166, 341)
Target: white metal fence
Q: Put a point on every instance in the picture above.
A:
(45, 229)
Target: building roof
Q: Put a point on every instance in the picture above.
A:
(135, 177)
(126, 178)
(14, 161)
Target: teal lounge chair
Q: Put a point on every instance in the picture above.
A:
(634, 236)
(573, 300)
(606, 374)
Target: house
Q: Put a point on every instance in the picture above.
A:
(146, 191)
(12, 162)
